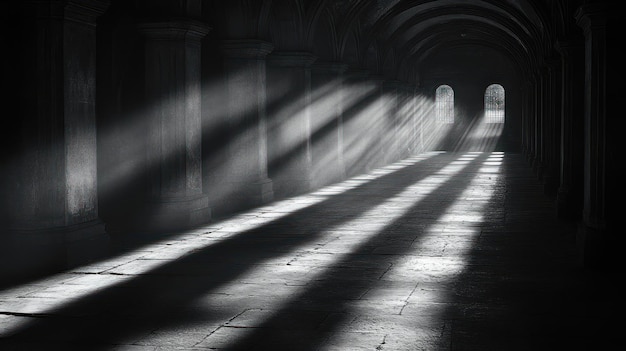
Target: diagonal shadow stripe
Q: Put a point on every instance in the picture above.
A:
(163, 295)
(278, 330)
(523, 284)
(129, 203)
(281, 161)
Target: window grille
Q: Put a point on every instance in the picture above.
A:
(444, 101)
(494, 104)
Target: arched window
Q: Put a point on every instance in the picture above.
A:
(494, 104)
(444, 102)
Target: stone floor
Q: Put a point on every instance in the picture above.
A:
(441, 251)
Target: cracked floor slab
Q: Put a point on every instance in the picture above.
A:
(439, 252)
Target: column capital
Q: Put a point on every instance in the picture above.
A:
(392, 84)
(535, 77)
(407, 86)
(87, 11)
(291, 59)
(330, 66)
(377, 79)
(84, 12)
(591, 16)
(551, 64)
(246, 48)
(357, 73)
(569, 46)
(540, 75)
(178, 29)
(527, 84)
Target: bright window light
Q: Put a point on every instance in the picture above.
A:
(444, 100)
(494, 104)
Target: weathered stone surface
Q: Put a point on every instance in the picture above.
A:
(441, 269)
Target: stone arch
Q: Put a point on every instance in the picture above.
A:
(286, 29)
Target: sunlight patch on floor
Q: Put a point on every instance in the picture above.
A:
(340, 242)
(441, 254)
(58, 290)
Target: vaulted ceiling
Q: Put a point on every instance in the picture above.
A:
(397, 37)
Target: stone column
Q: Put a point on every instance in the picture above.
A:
(174, 132)
(52, 199)
(415, 101)
(424, 116)
(525, 114)
(528, 119)
(289, 132)
(402, 128)
(406, 128)
(416, 138)
(242, 179)
(592, 237)
(389, 130)
(537, 124)
(377, 124)
(533, 115)
(552, 129)
(327, 123)
(360, 100)
(569, 196)
(543, 99)
(531, 119)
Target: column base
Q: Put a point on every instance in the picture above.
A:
(566, 207)
(244, 196)
(592, 248)
(550, 184)
(170, 214)
(34, 252)
(538, 168)
(287, 187)
(328, 175)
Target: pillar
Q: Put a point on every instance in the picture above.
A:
(529, 118)
(569, 196)
(542, 122)
(389, 129)
(552, 128)
(532, 119)
(406, 126)
(174, 131)
(289, 128)
(51, 192)
(537, 133)
(417, 144)
(361, 96)
(424, 116)
(591, 237)
(327, 123)
(242, 180)
(526, 115)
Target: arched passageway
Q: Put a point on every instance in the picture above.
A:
(299, 165)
